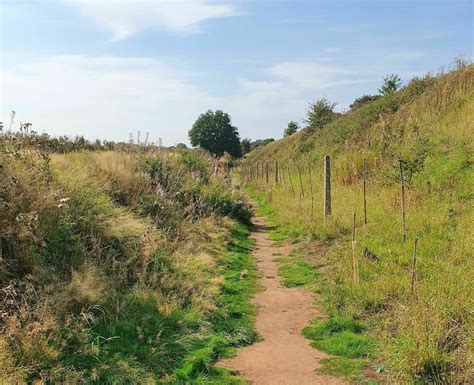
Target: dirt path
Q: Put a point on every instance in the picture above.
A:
(284, 356)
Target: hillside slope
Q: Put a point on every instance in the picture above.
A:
(420, 319)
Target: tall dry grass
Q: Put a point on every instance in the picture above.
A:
(111, 262)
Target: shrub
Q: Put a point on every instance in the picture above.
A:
(363, 100)
(214, 200)
(320, 113)
(391, 83)
(291, 129)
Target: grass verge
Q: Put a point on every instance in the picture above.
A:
(232, 324)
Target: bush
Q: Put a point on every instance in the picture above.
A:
(363, 100)
(320, 113)
(214, 200)
(291, 129)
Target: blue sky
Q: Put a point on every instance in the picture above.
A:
(106, 68)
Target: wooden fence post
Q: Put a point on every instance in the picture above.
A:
(413, 269)
(365, 194)
(311, 192)
(402, 187)
(266, 172)
(282, 175)
(276, 172)
(327, 185)
(291, 182)
(355, 262)
(301, 183)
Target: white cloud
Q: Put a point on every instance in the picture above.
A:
(108, 97)
(313, 75)
(104, 97)
(124, 18)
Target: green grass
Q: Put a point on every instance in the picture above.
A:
(428, 124)
(232, 324)
(348, 368)
(299, 273)
(345, 339)
(140, 344)
(340, 337)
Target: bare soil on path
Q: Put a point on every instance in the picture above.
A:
(284, 356)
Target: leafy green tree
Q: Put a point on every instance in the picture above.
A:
(214, 132)
(391, 83)
(181, 146)
(245, 146)
(362, 100)
(261, 142)
(291, 129)
(320, 112)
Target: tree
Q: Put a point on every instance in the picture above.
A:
(320, 113)
(362, 100)
(181, 146)
(391, 83)
(261, 142)
(291, 129)
(214, 132)
(245, 146)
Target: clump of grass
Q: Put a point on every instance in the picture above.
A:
(345, 339)
(348, 368)
(340, 337)
(297, 274)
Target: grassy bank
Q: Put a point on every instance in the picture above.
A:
(420, 320)
(120, 267)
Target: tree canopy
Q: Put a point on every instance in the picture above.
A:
(245, 146)
(320, 113)
(391, 83)
(214, 132)
(291, 128)
(260, 143)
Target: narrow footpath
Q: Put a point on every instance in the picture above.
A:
(284, 356)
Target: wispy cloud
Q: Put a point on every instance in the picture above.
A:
(314, 75)
(109, 96)
(125, 18)
(103, 97)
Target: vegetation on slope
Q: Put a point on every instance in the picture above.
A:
(115, 267)
(424, 335)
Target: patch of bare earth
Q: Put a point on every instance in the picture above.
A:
(284, 356)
